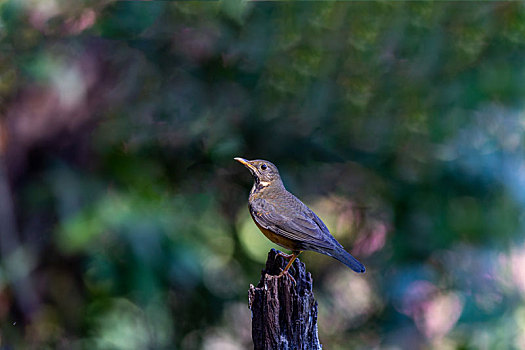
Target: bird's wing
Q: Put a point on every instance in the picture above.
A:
(299, 225)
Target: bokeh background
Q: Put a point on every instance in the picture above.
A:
(123, 217)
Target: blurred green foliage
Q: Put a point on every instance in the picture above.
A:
(123, 215)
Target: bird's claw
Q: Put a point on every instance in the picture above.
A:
(284, 255)
(285, 272)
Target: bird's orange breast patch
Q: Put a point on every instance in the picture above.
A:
(276, 238)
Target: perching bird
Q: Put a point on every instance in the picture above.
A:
(287, 221)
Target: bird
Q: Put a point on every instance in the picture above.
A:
(288, 222)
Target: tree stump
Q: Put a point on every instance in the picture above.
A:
(284, 314)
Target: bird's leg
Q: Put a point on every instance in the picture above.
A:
(293, 256)
(292, 259)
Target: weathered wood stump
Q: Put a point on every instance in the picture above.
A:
(284, 314)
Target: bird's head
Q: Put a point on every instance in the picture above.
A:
(264, 172)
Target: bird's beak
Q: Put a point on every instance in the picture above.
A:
(246, 163)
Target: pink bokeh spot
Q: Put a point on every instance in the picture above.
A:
(434, 312)
(517, 266)
(371, 242)
(85, 21)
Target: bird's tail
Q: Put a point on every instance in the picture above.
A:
(347, 259)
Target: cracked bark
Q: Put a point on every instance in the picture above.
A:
(284, 314)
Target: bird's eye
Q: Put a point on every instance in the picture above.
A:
(264, 166)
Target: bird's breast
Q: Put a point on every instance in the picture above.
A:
(274, 236)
